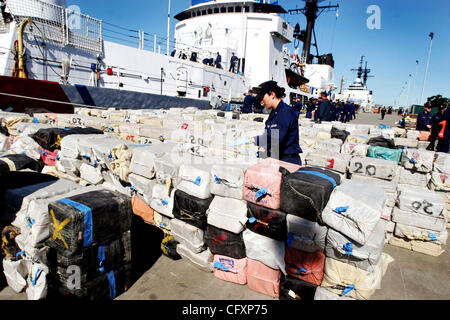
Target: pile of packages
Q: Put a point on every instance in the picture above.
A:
(290, 232)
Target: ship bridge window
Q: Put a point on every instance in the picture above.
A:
(194, 14)
(238, 9)
(216, 10)
(247, 9)
(199, 13)
(223, 10)
(209, 11)
(204, 12)
(230, 9)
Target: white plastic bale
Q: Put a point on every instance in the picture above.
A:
(321, 135)
(27, 145)
(365, 256)
(306, 142)
(227, 180)
(143, 160)
(428, 248)
(329, 160)
(265, 250)
(442, 163)
(420, 200)
(227, 214)
(305, 235)
(69, 166)
(414, 233)
(141, 184)
(354, 210)
(162, 222)
(166, 168)
(195, 180)
(375, 168)
(324, 294)
(91, 174)
(309, 132)
(331, 145)
(355, 149)
(423, 145)
(339, 274)
(417, 179)
(440, 181)
(406, 142)
(16, 273)
(412, 134)
(162, 200)
(325, 127)
(3, 143)
(188, 235)
(363, 139)
(419, 160)
(418, 220)
(203, 260)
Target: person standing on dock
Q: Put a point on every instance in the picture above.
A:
(383, 112)
(339, 110)
(352, 111)
(424, 120)
(249, 100)
(309, 108)
(436, 128)
(233, 61)
(345, 112)
(218, 61)
(298, 106)
(324, 110)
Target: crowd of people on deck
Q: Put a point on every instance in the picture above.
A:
(217, 62)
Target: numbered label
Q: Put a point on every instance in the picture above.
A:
(369, 170)
(146, 141)
(77, 121)
(130, 138)
(197, 141)
(424, 206)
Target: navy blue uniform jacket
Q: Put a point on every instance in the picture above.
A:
(248, 104)
(423, 119)
(324, 110)
(285, 120)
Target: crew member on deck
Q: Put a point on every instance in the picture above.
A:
(282, 124)
(218, 61)
(298, 106)
(233, 61)
(248, 103)
(424, 120)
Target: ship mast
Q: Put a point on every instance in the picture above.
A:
(311, 11)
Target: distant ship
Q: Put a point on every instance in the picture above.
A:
(55, 58)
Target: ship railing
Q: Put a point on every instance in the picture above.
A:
(59, 25)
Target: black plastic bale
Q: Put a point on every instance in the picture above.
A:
(190, 209)
(88, 219)
(259, 119)
(102, 288)
(304, 194)
(382, 142)
(17, 162)
(339, 134)
(169, 247)
(96, 259)
(50, 139)
(292, 288)
(269, 222)
(224, 243)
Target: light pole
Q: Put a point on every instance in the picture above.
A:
(409, 90)
(431, 35)
(168, 29)
(414, 86)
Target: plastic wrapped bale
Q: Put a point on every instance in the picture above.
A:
(414, 233)
(442, 163)
(331, 145)
(324, 294)
(267, 222)
(357, 139)
(104, 150)
(93, 261)
(306, 192)
(26, 145)
(141, 185)
(143, 161)
(414, 178)
(16, 273)
(419, 220)
(389, 187)
(420, 200)
(227, 214)
(321, 135)
(91, 174)
(263, 182)
(105, 287)
(203, 260)
(263, 249)
(359, 129)
(68, 166)
(418, 160)
(228, 180)
(365, 256)
(325, 127)
(70, 145)
(405, 142)
(11, 120)
(163, 200)
(195, 180)
(292, 288)
(380, 141)
(169, 247)
(440, 181)
(329, 160)
(305, 235)
(225, 243)
(162, 222)
(189, 236)
(17, 162)
(385, 154)
(428, 248)
(305, 265)
(339, 134)
(344, 279)
(50, 139)
(375, 168)
(230, 269)
(354, 210)
(167, 168)
(191, 209)
(355, 149)
(89, 218)
(142, 209)
(263, 279)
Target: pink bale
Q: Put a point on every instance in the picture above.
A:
(262, 279)
(230, 269)
(262, 182)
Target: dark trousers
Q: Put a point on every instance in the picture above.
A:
(294, 159)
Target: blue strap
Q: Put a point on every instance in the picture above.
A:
(220, 266)
(112, 284)
(95, 164)
(86, 156)
(35, 120)
(412, 160)
(30, 222)
(58, 157)
(164, 202)
(341, 209)
(252, 220)
(290, 239)
(101, 258)
(348, 247)
(36, 276)
(110, 156)
(301, 271)
(216, 178)
(18, 254)
(321, 175)
(432, 236)
(262, 192)
(133, 188)
(197, 181)
(348, 289)
(162, 225)
(87, 213)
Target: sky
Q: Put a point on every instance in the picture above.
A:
(391, 50)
